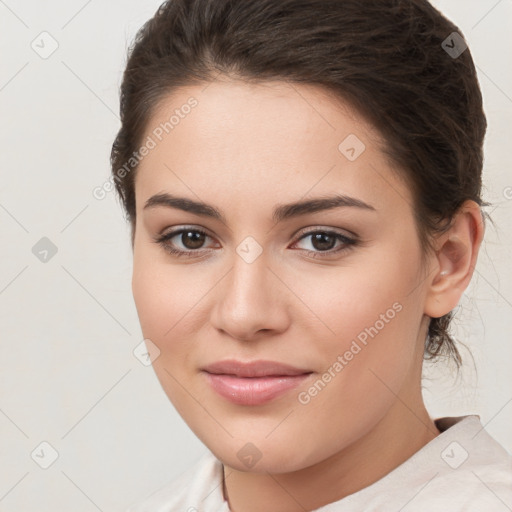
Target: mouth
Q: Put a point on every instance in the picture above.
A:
(253, 383)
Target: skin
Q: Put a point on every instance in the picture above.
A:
(246, 148)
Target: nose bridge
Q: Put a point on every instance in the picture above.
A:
(249, 298)
(249, 283)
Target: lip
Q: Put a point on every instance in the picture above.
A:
(255, 382)
(258, 368)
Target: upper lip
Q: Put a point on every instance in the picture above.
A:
(253, 368)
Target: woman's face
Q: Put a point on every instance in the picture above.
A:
(337, 293)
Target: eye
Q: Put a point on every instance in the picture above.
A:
(191, 239)
(324, 241)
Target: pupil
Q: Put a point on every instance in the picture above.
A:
(322, 238)
(195, 237)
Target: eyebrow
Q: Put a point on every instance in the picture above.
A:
(281, 212)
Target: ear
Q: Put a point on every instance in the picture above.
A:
(452, 266)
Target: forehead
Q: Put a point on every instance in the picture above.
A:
(261, 141)
(252, 114)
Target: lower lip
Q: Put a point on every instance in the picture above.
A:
(253, 390)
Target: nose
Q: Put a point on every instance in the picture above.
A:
(251, 301)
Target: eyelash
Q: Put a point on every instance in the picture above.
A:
(165, 238)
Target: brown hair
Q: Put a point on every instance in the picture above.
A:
(390, 59)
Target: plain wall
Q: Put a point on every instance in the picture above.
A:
(69, 325)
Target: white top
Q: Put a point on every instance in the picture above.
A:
(462, 469)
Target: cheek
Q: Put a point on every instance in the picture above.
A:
(153, 299)
(170, 303)
(351, 300)
(166, 314)
(368, 359)
(373, 319)
(155, 292)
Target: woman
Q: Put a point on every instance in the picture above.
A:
(303, 183)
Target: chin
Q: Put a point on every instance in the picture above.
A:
(263, 455)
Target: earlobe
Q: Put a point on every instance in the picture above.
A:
(454, 261)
